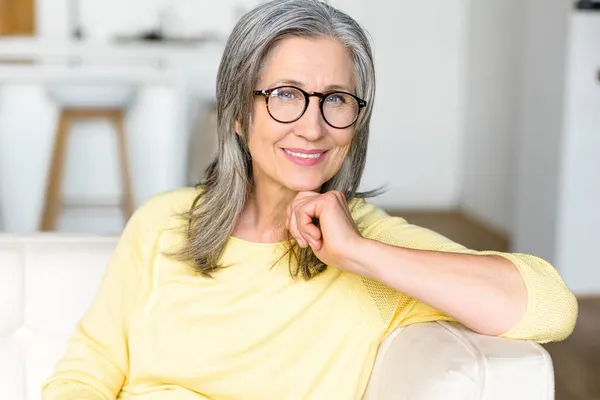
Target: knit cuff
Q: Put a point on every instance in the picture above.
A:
(551, 307)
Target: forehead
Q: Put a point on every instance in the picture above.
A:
(315, 62)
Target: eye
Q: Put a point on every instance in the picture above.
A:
(337, 98)
(287, 93)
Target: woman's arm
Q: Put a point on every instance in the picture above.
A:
(511, 295)
(483, 292)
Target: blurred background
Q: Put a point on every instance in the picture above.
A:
(486, 125)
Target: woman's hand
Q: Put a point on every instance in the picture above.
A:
(334, 236)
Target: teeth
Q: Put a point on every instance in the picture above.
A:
(302, 155)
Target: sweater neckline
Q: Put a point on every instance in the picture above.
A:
(255, 244)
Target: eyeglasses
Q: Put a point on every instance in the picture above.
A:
(287, 104)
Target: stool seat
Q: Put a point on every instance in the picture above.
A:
(92, 96)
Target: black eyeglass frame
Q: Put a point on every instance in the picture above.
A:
(266, 93)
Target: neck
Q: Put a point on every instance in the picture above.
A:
(264, 214)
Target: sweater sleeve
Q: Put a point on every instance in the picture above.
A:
(551, 310)
(95, 364)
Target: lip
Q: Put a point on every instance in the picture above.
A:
(305, 162)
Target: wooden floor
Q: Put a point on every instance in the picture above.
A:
(577, 359)
(459, 228)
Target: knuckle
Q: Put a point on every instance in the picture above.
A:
(335, 194)
(332, 196)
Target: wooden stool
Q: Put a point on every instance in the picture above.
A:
(68, 115)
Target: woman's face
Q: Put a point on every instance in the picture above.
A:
(302, 155)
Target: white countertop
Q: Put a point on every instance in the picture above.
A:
(18, 46)
(32, 60)
(39, 73)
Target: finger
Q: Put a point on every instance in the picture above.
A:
(304, 220)
(295, 232)
(304, 195)
(305, 215)
(291, 224)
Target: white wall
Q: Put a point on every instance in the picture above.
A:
(492, 78)
(579, 201)
(539, 133)
(532, 143)
(418, 119)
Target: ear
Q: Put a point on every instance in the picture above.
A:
(238, 128)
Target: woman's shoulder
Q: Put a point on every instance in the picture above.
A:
(366, 214)
(165, 206)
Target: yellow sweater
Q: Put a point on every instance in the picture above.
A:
(157, 331)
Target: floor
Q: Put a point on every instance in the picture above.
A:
(577, 359)
(459, 228)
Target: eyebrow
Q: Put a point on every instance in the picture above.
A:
(292, 82)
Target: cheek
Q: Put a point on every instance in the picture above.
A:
(264, 132)
(343, 140)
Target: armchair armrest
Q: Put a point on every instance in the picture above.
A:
(443, 360)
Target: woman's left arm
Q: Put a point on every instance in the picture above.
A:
(486, 293)
(503, 294)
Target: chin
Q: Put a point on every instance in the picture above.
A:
(304, 185)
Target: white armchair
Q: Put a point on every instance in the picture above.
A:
(47, 282)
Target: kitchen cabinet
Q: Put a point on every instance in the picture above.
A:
(17, 17)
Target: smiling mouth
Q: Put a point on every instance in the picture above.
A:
(304, 155)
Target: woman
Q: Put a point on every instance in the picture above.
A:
(280, 280)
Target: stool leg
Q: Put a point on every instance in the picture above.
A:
(118, 119)
(54, 186)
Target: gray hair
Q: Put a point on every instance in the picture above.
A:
(228, 179)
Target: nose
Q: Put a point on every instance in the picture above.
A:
(311, 126)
